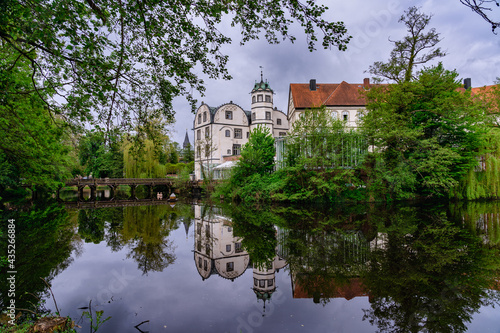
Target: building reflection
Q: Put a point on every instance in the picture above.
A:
(218, 252)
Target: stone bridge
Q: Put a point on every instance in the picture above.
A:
(113, 183)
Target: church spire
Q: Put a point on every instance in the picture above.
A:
(186, 141)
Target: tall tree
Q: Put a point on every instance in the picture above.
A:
(33, 145)
(417, 48)
(99, 157)
(257, 155)
(427, 132)
(111, 62)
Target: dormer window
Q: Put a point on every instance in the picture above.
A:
(229, 115)
(199, 118)
(278, 121)
(204, 116)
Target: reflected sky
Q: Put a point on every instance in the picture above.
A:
(177, 298)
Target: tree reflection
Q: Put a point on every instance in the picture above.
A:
(44, 243)
(258, 233)
(90, 226)
(326, 251)
(431, 274)
(145, 231)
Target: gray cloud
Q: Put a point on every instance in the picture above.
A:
(472, 50)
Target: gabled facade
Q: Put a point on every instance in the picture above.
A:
(344, 100)
(221, 132)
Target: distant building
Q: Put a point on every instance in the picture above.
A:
(186, 144)
(220, 132)
(344, 100)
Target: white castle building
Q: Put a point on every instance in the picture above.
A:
(220, 132)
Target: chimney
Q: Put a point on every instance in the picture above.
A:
(366, 82)
(467, 83)
(312, 84)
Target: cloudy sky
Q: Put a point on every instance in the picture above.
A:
(472, 49)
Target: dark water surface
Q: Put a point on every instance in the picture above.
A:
(197, 268)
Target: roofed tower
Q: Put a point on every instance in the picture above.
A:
(186, 143)
(262, 104)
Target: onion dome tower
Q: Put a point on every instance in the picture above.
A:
(262, 104)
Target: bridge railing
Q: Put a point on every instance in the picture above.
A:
(119, 181)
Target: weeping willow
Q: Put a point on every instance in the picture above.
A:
(483, 182)
(482, 218)
(145, 164)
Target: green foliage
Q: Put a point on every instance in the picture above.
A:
(100, 157)
(319, 141)
(417, 48)
(142, 161)
(33, 148)
(426, 132)
(320, 154)
(96, 322)
(124, 62)
(257, 156)
(187, 154)
(482, 182)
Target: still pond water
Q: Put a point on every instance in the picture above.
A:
(200, 268)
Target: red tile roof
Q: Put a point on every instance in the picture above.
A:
(331, 289)
(329, 94)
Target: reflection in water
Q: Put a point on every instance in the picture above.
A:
(420, 270)
(45, 239)
(217, 251)
(415, 268)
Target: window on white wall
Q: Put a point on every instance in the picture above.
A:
(259, 98)
(228, 133)
(236, 149)
(268, 98)
(268, 115)
(345, 116)
(278, 121)
(198, 134)
(237, 133)
(204, 116)
(207, 132)
(229, 115)
(199, 118)
(335, 115)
